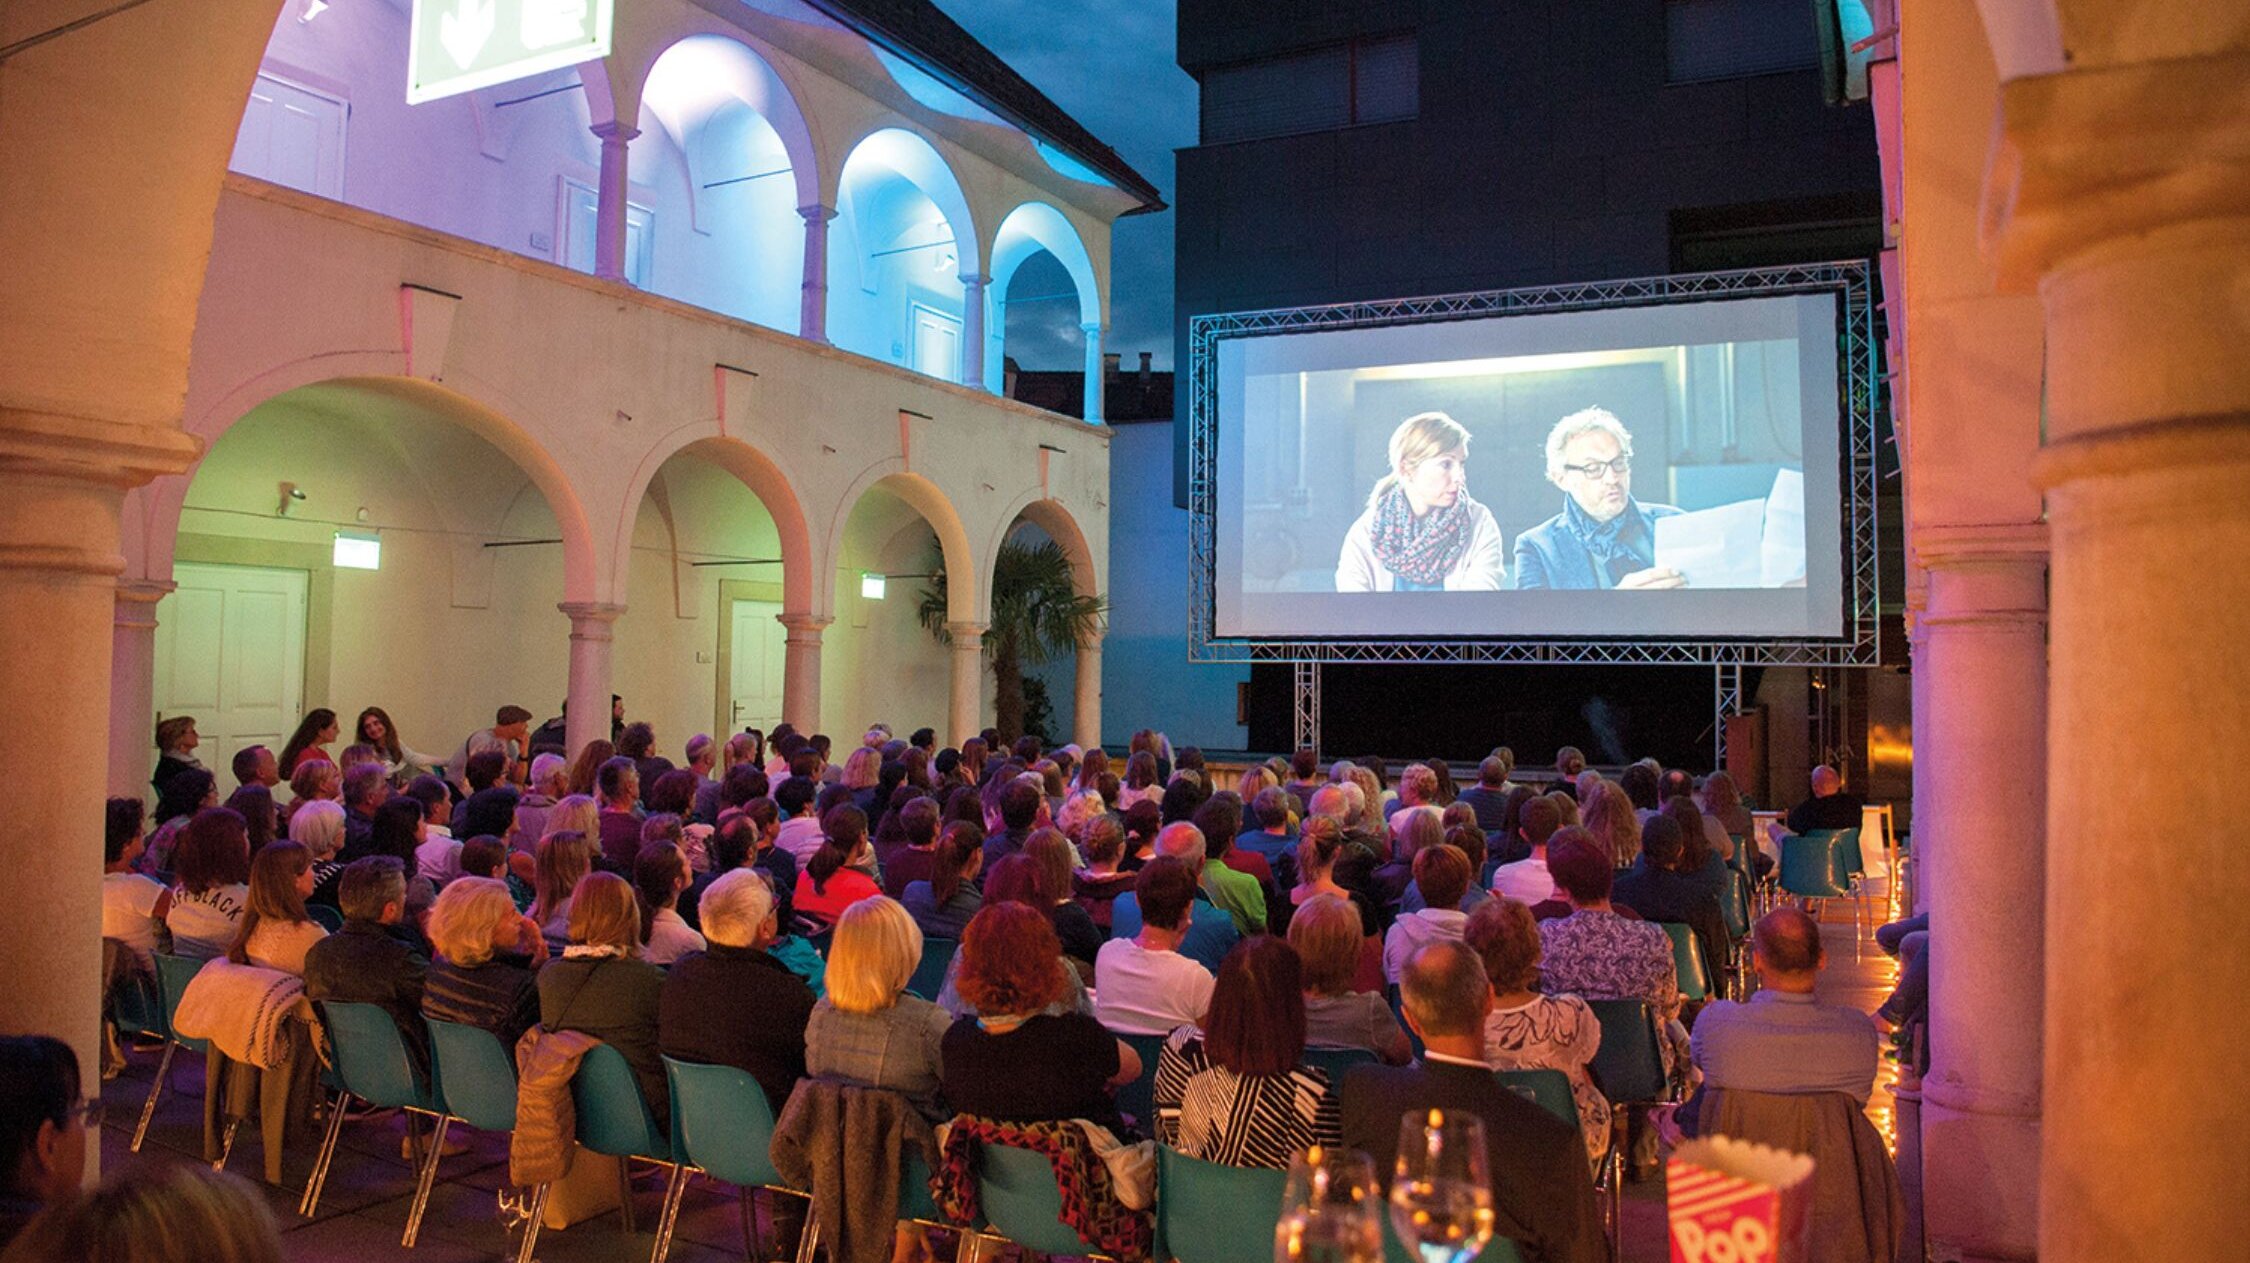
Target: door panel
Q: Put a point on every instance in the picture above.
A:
(755, 661)
(230, 650)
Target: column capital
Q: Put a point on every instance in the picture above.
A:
(1983, 577)
(591, 618)
(810, 625)
(975, 278)
(817, 213)
(1091, 328)
(962, 632)
(136, 602)
(1938, 548)
(88, 449)
(615, 131)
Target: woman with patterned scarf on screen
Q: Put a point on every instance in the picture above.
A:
(1422, 532)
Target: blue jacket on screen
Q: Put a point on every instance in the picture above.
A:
(1557, 553)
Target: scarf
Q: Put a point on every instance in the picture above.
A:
(1420, 550)
(1614, 545)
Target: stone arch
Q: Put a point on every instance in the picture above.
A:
(904, 237)
(1029, 229)
(965, 589)
(724, 68)
(764, 476)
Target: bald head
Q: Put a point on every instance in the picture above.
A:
(1445, 991)
(1825, 781)
(1183, 842)
(1787, 943)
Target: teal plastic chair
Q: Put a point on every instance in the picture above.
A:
(1687, 961)
(722, 1125)
(1823, 864)
(614, 1121)
(1629, 1065)
(929, 975)
(325, 917)
(1208, 1213)
(1017, 1193)
(1734, 910)
(1547, 1089)
(173, 973)
(373, 1066)
(476, 1080)
(1138, 1098)
(1335, 1061)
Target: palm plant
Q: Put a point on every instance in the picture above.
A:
(1037, 614)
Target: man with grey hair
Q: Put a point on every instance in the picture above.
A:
(734, 1003)
(548, 783)
(1603, 538)
(1211, 931)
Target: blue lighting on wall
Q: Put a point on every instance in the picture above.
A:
(929, 92)
(1070, 166)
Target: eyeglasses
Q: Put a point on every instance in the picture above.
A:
(1620, 466)
(90, 1111)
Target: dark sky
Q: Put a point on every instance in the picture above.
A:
(1109, 64)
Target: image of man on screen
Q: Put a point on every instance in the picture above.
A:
(1603, 538)
(1422, 532)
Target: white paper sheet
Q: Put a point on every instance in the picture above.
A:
(1781, 560)
(1747, 544)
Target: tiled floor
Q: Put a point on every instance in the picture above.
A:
(363, 1209)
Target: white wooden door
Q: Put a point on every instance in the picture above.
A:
(230, 650)
(292, 135)
(937, 343)
(581, 207)
(754, 667)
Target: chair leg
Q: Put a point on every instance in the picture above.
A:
(625, 1194)
(531, 1225)
(311, 1200)
(156, 1089)
(675, 1190)
(226, 1144)
(753, 1245)
(809, 1239)
(427, 1180)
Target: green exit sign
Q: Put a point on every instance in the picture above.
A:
(458, 46)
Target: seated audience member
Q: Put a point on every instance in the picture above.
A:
(869, 1029)
(260, 822)
(800, 833)
(1140, 781)
(1013, 1061)
(211, 876)
(1412, 829)
(485, 972)
(1612, 820)
(319, 827)
(1023, 807)
(398, 830)
(191, 791)
(637, 741)
(276, 931)
(133, 905)
(178, 1213)
(1329, 935)
(548, 784)
(618, 785)
(1469, 841)
(915, 857)
(44, 1129)
(1212, 934)
(1417, 787)
(1320, 847)
(942, 904)
(560, 863)
(1702, 861)
(1656, 887)
(1526, 881)
(1053, 863)
(1099, 883)
(734, 1003)
(660, 873)
(1908, 939)
(1828, 808)
(1444, 873)
(488, 813)
(586, 769)
(745, 837)
(1271, 831)
(1304, 778)
(1235, 883)
(834, 878)
(1236, 1090)
(1542, 1191)
(1530, 1031)
(255, 765)
(1141, 823)
(1489, 796)
(1598, 955)
(1142, 984)
(437, 857)
(602, 987)
(374, 959)
(363, 789)
(1721, 804)
(1566, 807)
(1782, 1040)
(673, 796)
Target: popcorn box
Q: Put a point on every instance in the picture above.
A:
(1731, 1201)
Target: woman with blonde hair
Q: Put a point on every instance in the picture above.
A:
(276, 931)
(1256, 779)
(178, 1213)
(602, 987)
(1330, 935)
(1609, 817)
(1422, 532)
(869, 1029)
(576, 813)
(561, 862)
(318, 826)
(486, 970)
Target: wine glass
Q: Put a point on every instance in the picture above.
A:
(1441, 1196)
(1331, 1209)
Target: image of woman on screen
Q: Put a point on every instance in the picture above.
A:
(1603, 538)
(1421, 531)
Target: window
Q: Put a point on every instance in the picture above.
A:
(937, 343)
(1734, 39)
(1365, 81)
(581, 207)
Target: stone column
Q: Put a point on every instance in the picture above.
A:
(972, 329)
(132, 691)
(1983, 810)
(1921, 717)
(609, 210)
(812, 314)
(967, 718)
(2121, 191)
(1086, 719)
(800, 670)
(592, 628)
(1096, 379)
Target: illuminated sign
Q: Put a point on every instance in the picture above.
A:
(458, 46)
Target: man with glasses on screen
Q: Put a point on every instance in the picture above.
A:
(1603, 538)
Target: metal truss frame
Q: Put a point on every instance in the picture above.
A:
(1726, 700)
(1304, 705)
(1857, 403)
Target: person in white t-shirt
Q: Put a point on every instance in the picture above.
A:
(276, 931)
(800, 834)
(438, 855)
(1526, 880)
(1142, 985)
(132, 905)
(211, 864)
(660, 873)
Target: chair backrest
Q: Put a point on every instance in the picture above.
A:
(1208, 1213)
(722, 1122)
(1138, 1097)
(929, 976)
(1629, 1065)
(1808, 866)
(1687, 961)
(1734, 906)
(612, 1117)
(324, 916)
(478, 1077)
(1336, 1061)
(1017, 1192)
(1741, 861)
(173, 974)
(1845, 854)
(1547, 1089)
(371, 1058)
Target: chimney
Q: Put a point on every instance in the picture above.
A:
(1146, 356)
(1109, 366)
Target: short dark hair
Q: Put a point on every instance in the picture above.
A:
(1581, 866)
(428, 791)
(246, 763)
(1256, 1022)
(507, 715)
(636, 740)
(362, 782)
(392, 831)
(674, 791)
(609, 781)
(489, 811)
(213, 850)
(370, 884)
(1304, 763)
(1028, 748)
(484, 769)
(1538, 819)
(1220, 819)
(923, 738)
(731, 844)
(918, 820)
(1661, 841)
(1165, 891)
(484, 856)
(743, 782)
(39, 1083)
(1443, 874)
(1019, 804)
(1639, 784)
(1788, 940)
(122, 819)
(1493, 772)
(1271, 806)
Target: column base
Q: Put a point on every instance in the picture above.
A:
(1970, 1211)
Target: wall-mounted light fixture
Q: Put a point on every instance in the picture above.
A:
(291, 497)
(871, 586)
(358, 550)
